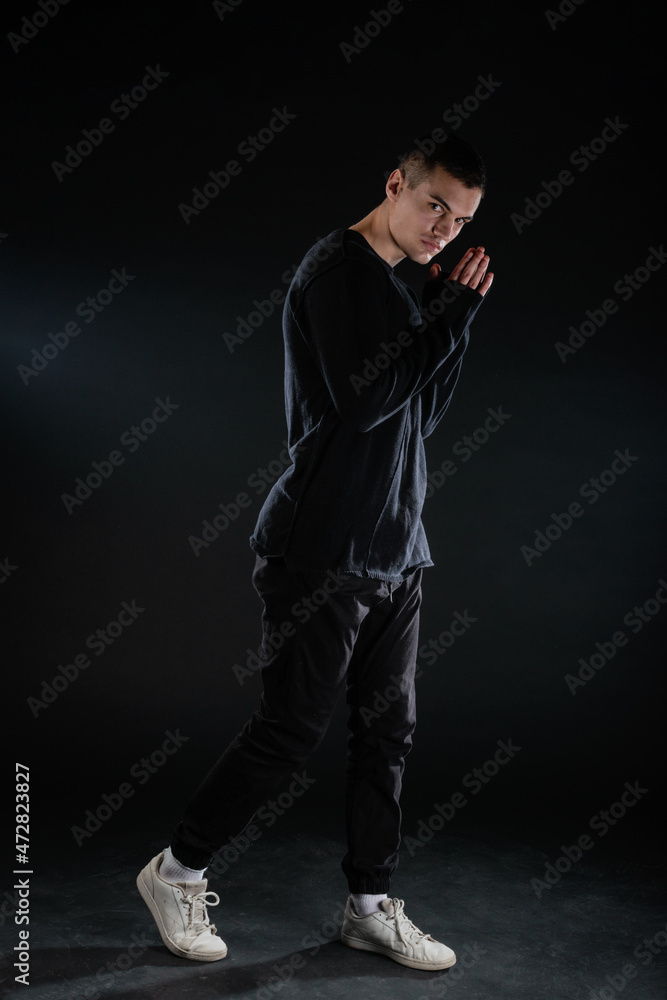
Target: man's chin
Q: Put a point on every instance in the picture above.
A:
(421, 254)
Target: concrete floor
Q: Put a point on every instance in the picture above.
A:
(600, 930)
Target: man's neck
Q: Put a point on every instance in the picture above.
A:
(374, 227)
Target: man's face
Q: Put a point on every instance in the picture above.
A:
(424, 219)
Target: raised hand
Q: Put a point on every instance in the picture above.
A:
(471, 271)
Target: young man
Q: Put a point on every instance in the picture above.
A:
(340, 549)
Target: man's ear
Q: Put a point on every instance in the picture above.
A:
(392, 183)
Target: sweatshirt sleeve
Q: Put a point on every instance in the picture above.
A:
(436, 398)
(437, 395)
(344, 317)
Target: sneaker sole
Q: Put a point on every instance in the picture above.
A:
(150, 903)
(412, 963)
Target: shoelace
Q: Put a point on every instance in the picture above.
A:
(198, 919)
(405, 927)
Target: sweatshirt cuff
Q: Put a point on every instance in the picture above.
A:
(442, 297)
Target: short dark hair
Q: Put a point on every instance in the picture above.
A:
(452, 153)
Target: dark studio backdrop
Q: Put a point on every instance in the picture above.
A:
(132, 300)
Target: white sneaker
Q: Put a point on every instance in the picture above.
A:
(390, 933)
(180, 914)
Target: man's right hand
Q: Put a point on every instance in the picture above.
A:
(470, 271)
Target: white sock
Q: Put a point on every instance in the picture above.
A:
(365, 904)
(173, 871)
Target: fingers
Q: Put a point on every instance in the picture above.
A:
(486, 284)
(467, 265)
(471, 270)
(454, 276)
(478, 276)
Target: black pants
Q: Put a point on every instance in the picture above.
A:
(333, 631)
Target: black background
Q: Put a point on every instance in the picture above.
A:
(163, 337)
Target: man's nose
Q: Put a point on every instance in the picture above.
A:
(445, 230)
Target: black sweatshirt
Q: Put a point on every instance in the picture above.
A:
(367, 378)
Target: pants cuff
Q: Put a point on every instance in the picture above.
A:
(369, 886)
(190, 857)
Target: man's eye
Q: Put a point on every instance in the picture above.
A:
(434, 204)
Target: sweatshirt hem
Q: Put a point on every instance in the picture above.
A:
(319, 571)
